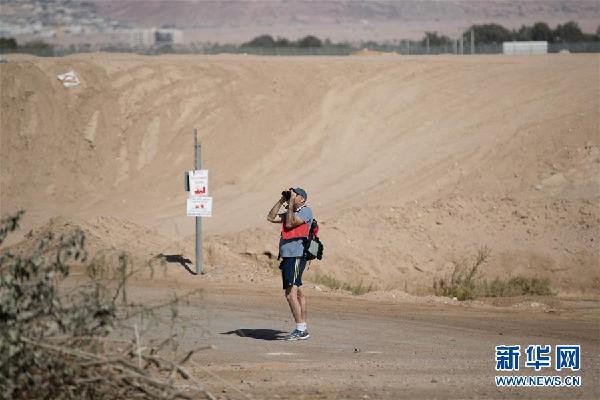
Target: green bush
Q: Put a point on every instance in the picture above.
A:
(310, 41)
(267, 41)
(260, 41)
(435, 39)
(491, 33)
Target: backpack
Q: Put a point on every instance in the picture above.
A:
(313, 248)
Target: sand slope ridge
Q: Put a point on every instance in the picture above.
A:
(410, 162)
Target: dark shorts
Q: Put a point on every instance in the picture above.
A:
(291, 271)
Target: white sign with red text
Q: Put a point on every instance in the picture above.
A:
(199, 206)
(198, 183)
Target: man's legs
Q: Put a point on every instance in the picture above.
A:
(291, 294)
(291, 274)
(302, 301)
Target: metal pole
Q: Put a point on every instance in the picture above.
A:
(461, 43)
(472, 41)
(197, 166)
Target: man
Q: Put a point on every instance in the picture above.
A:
(295, 225)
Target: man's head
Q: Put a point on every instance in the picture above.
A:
(301, 196)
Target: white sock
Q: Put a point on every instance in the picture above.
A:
(301, 326)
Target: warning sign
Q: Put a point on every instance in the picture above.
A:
(198, 182)
(199, 206)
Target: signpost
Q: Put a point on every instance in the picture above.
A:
(199, 205)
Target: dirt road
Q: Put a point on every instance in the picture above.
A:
(363, 349)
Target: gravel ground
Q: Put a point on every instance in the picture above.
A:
(370, 349)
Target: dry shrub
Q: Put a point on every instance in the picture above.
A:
(333, 283)
(463, 284)
(55, 343)
(517, 286)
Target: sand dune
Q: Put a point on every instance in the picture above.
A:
(409, 162)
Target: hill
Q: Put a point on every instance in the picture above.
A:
(238, 21)
(409, 163)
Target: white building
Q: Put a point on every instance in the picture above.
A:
(172, 36)
(537, 47)
(141, 38)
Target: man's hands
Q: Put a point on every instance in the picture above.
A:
(273, 216)
(291, 220)
(293, 197)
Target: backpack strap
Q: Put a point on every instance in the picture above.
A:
(311, 231)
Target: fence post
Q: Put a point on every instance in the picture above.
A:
(197, 166)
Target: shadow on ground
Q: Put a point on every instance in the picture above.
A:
(178, 259)
(262, 334)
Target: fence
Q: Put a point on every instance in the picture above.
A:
(341, 50)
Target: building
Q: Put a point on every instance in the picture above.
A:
(537, 47)
(144, 38)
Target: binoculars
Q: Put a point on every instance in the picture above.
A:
(287, 194)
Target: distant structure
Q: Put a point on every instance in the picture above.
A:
(144, 38)
(537, 47)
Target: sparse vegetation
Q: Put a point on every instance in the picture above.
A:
(463, 284)
(516, 286)
(334, 283)
(55, 341)
(36, 45)
(8, 43)
(269, 42)
(491, 33)
(569, 32)
(435, 40)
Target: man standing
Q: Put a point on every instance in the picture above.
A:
(295, 225)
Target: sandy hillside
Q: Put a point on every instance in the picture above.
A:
(410, 162)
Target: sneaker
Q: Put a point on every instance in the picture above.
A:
(297, 335)
(304, 335)
(293, 335)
